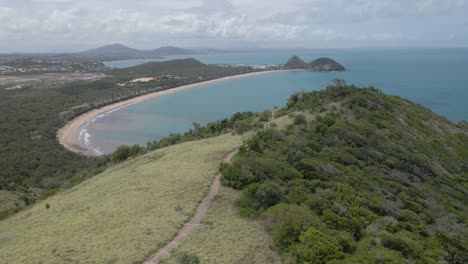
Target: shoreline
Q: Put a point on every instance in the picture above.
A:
(69, 135)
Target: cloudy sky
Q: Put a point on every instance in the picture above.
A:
(73, 25)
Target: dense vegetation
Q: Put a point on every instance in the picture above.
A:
(32, 162)
(372, 179)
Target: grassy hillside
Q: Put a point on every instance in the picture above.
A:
(121, 215)
(226, 237)
(360, 177)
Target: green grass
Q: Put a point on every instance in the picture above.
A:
(226, 237)
(120, 216)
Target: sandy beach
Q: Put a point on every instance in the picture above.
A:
(68, 136)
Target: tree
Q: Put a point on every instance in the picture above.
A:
(196, 126)
(120, 154)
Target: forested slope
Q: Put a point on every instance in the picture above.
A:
(372, 179)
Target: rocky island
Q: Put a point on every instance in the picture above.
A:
(321, 64)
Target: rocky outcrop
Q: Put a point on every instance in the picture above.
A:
(295, 63)
(321, 64)
(325, 64)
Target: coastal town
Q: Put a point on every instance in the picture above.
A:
(29, 66)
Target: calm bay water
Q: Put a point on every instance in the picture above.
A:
(435, 78)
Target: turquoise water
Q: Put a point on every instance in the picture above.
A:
(436, 78)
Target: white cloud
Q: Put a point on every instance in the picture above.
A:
(197, 22)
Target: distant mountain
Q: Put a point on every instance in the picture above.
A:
(114, 49)
(173, 51)
(321, 64)
(119, 51)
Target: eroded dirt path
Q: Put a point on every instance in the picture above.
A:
(194, 222)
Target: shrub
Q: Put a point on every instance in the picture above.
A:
(234, 176)
(269, 193)
(300, 119)
(309, 168)
(286, 222)
(186, 258)
(335, 221)
(456, 249)
(317, 248)
(135, 150)
(346, 241)
(265, 116)
(395, 242)
(120, 154)
(242, 126)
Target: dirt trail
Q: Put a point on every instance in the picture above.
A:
(194, 222)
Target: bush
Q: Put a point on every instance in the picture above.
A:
(346, 241)
(309, 168)
(269, 193)
(265, 116)
(286, 222)
(395, 242)
(120, 154)
(186, 258)
(300, 120)
(317, 248)
(242, 126)
(335, 221)
(135, 150)
(233, 176)
(456, 249)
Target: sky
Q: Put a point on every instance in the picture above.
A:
(75, 25)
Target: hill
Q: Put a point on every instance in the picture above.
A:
(173, 51)
(321, 64)
(120, 216)
(325, 64)
(343, 175)
(167, 67)
(192, 69)
(114, 50)
(371, 178)
(295, 63)
(120, 52)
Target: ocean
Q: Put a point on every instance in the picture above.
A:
(435, 78)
